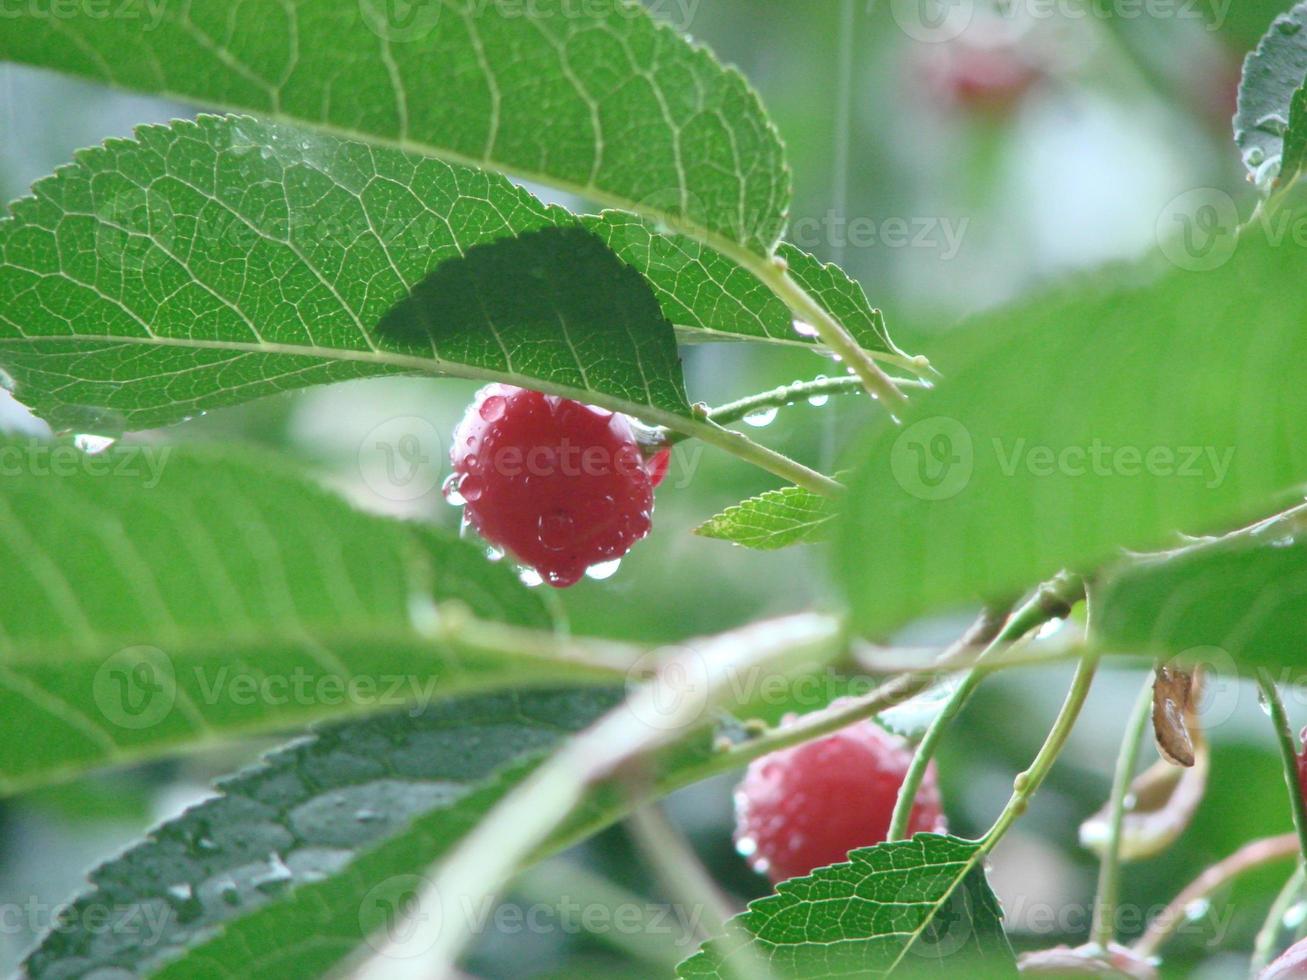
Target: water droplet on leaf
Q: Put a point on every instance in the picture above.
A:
(93, 445)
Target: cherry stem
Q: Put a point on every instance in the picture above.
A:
(1052, 600)
(1288, 745)
(1027, 783)
(1247, 858)
(1103, 930)
(741, 446)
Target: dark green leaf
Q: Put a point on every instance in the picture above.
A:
(1295, 140)
(298, 856)
(709, 297)
(355, 815)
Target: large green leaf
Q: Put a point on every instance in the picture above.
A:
(210, 263)
(213, 262)
(1112, 414)
(1241, 602)
(773, 520)
(298, 856)
(299, 859)
(909, 907)
(174, 598)
(1271, 76)
(594, 98)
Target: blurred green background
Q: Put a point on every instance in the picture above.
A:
(941, 204)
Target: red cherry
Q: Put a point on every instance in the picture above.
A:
(980, 78)
(1292, 963)
(808, 806)
(560, 485)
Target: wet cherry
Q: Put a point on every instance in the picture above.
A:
(560, 485)
(808, 806)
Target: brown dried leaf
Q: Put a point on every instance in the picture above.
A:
(1174, 715)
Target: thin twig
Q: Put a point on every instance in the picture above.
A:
(1288, 745)
(1103, 930)
(1247, 858)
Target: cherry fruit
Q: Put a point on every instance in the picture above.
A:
(806, 807)
(560, 485)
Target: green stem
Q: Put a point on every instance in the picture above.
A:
(849, 711)
(1288, 755)
(1248, 857)
(742, 447)
(1103, 930)
(689, 884)
(1052, 600)
(1264, 947)
(1028, 782)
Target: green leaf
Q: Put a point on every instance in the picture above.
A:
(842, 297)
(208, 263)
(355, 815)
(773, 520)
(1244, 599)
(593, 98)
(282, 873)
(918, 906)
(280, 605)
(358, 813)
(1111, 415)
(1272, 75)
(709, 297)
